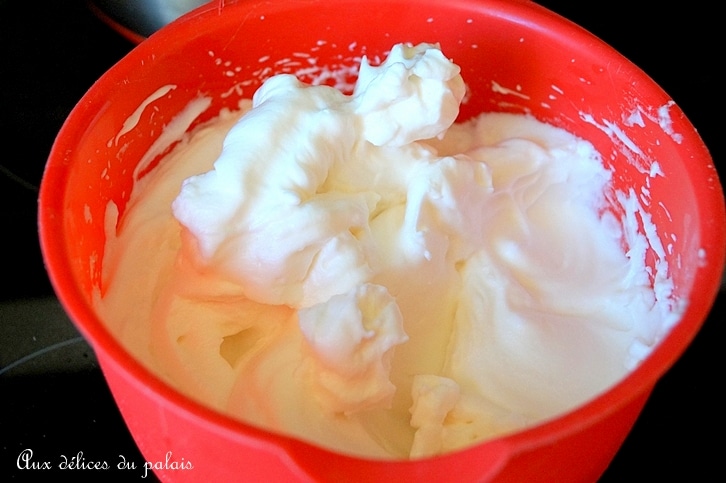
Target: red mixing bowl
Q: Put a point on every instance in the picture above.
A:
(516, 57)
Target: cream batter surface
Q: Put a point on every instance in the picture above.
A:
(365, 274)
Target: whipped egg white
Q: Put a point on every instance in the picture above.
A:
(361, 272)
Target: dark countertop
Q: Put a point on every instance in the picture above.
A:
(54, 399)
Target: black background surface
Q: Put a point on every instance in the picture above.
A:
(53, 398)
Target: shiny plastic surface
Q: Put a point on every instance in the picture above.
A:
(515, 57)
